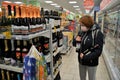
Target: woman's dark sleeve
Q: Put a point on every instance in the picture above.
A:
(97, 51)
(74, 41)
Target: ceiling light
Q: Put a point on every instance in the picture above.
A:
(57, 6)
(53, 4)
(78, 9)
(75, 6)
(72, 2)
(7, 1)
(18, 2)
(48, 2)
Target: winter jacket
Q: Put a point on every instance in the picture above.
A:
(92, 58)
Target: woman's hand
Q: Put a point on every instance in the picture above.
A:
(81, 55)
(78, 38)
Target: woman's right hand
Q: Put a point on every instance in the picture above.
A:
(78, 38)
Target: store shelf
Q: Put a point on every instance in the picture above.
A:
(58, 69)
(58, 66)
(58, 50)
(30, 36)
(11, 68)
(56, 73)
(54, 17)
(66, 50)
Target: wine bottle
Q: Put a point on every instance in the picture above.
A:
(1, 51)
(12, 76)
(24, 24)
(46, 46)
(25, 49)
(3, 74)
(9, 14)
(60, 38)
(8, 75)
(18, 52)
(18, 20)
(7, 52)
(14, 20)
(54, 42)
(13, 55)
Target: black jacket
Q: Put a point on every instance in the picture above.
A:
(91, 59)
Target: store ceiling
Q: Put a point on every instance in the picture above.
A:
(65, 4)
(78, 7)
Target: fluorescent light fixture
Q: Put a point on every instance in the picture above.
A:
(18, 2)
(7, 1)
(78, 9)
(75, 6)
(53, 4)
(57, 6)
(48, 2)
(72, 2)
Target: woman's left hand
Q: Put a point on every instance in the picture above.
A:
(81, 55)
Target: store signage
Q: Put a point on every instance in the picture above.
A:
(88, 4)
(104, 3)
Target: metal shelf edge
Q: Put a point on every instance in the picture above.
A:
(11, 68)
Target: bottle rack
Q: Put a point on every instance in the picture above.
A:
(55, 21)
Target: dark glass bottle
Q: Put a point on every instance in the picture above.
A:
(2, 74)
(18, 52)
(9, 17)
(25, 48)
(18, 20)
(1, 51)
(60, 38)
(8, 75)
(54, 41)
(7, 51)
(46, 46)
(13, 54)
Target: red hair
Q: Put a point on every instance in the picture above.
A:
(87, 21)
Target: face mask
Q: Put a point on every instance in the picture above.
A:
(84, 29)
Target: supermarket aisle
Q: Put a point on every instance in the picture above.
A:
(69, 69)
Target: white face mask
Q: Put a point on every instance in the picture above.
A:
(84, 28)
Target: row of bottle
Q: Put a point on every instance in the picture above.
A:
(50, 13)
(23, 19)
(13, 52)
(10, 75)
(57, 40)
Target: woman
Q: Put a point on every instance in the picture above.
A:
(90, 40)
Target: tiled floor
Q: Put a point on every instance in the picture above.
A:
(70, 70)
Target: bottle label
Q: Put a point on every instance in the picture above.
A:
(46, 45)
(23, 55)
(61, 41)
(18, 55)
